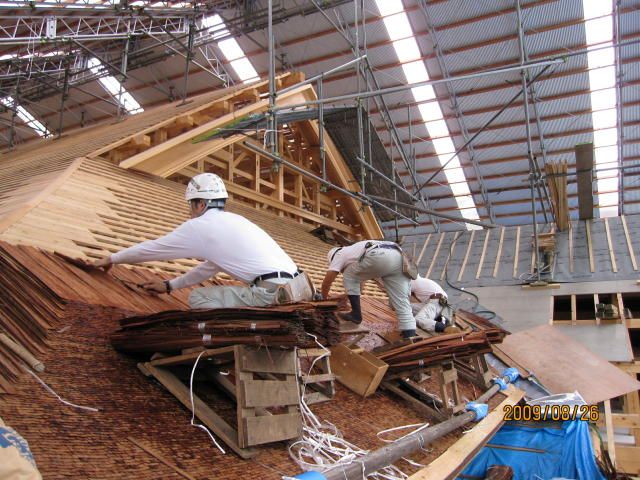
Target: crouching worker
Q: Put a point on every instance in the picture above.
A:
(432, 312)
(227, 243)
(367, 260)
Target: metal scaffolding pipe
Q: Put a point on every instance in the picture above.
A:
(373, 461)
(533, 173)
(402, 88)
(433, 212)
(322, 75)
(355, 195)
(482, 129)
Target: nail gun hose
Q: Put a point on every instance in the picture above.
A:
(490, 313)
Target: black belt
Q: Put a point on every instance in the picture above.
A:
(269, 276)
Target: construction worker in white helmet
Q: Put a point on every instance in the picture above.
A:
(367, 260)
(432, 310)
(226, 242)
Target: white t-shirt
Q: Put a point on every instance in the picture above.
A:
(351, 254)
(423, 288)
(225, 241)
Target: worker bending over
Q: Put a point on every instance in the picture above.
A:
(226, 242)
(432, 312)
(367, 260)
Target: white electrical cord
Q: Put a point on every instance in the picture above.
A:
(51, 391)
(193, 408)
(322, 447)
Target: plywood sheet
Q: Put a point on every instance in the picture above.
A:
(563, 364)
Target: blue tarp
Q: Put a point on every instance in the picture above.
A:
(565, 452)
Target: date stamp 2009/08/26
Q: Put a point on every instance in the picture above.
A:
(533, 413)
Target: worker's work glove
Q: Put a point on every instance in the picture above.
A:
(452, 329)
(156, 287)
(103, 263)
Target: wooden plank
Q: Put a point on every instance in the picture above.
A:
(484, 251)
(624, 420)
(612, 254)
(570, 233)
(587, 226)
(574, 312)
(584, 167)
(628, 459)
(608, 420)
(206, 415)
(632, 255)
(435, 255)
(516, 253)
(424, 247)
(574, 368)
(160, 458)
(452, 249)
(360, 372)
(466, 255)
(456, 457)
(498, 255)
(267, 360)
(269, 393)
(273, 428)
(189, 358)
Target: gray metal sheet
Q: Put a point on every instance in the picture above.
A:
(610, 342)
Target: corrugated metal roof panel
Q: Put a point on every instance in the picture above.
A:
(458, 10)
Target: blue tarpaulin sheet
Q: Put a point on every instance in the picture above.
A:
(562, 450)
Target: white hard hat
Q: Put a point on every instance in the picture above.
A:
(207, 186)
(332, 253)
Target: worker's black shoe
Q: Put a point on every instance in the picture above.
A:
(440, 326)
(408, 333)
(355, 315)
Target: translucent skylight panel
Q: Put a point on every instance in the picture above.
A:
(437, 129)
(244, 69)
(407, 50)
(430, 111)
(602, 80)
(443, 146)
(423, 93)
(115, 88)
(458, 188)
(398, 26)
(415, 72)
(230, 48)
(389, 7)
(408, 53)
(604, 118)
(26, 117)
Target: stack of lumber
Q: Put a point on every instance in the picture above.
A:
(474, 322)
(279, 326)
(433, 351)
(557, 183)
(477, 336)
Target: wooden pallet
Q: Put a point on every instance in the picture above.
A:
(319, 385)
(265, 390)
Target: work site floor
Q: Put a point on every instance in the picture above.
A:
(83, 368)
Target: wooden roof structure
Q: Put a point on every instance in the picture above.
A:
(104, 188)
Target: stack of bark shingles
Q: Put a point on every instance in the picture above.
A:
(35, 286)
(477, 338)
(280, 326)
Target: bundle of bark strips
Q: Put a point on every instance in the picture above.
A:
(432, 351)
(471, 321)
(293, 325)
